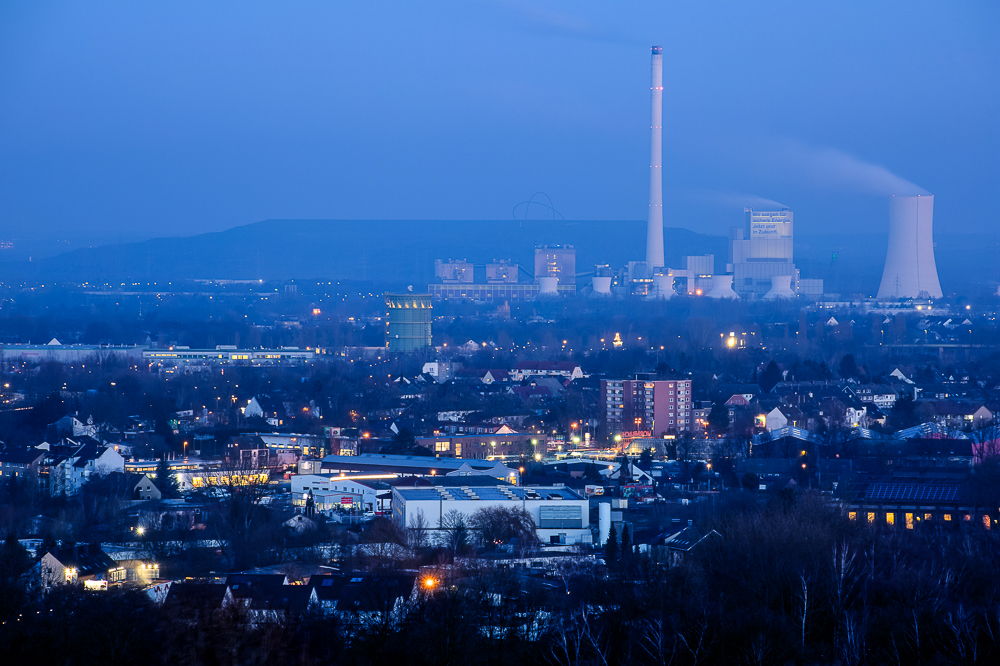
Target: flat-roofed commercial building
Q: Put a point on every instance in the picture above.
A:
(229, 354)
(487, 446)
(385, 463)
(561, 515)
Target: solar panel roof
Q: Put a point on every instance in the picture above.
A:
(913, 491)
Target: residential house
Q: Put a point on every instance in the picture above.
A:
(958, 414)
(133, 486)
(526, 369)
(67, 466)
(87, 564)
(679, 545)
(247, 452)
(267, 408)
(195, 602)
(360, 595)
(19, 463)
(881, 395)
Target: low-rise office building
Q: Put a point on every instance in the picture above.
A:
(226, 354)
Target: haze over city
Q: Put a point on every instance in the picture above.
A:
(499, 332)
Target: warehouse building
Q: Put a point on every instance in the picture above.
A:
(561, 515)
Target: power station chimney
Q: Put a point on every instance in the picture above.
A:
(910, 270)
(654, 230)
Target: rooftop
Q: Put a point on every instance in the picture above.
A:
(492, 493)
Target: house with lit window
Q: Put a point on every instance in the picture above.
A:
(919, 498)
(17, 463)
(85, 563)
(264, 406)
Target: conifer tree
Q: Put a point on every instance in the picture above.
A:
(611, 547)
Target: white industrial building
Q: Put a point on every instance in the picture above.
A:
(57, 352)
(760, 250)
(330, 491)
(561, 515)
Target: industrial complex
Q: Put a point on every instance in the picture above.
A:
(760, 262)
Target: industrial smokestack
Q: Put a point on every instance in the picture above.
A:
(910, 271)
(654, 229)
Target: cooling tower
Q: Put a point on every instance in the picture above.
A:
(722, 287)
(663, 287)
(654, 228)
(602, 286)
(910, 271)
(781, 287)
(547, 286)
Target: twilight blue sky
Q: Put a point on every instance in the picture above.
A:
(139, 119)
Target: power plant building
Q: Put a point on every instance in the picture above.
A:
(454, 272)
(760, 250)
(910, 269)
(408, 322)
(556, 261)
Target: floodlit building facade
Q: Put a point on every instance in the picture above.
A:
(760, 250)
(408, 322)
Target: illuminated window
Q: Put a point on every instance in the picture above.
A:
(871, 516)
(947, 517)
(441, 447)
(987, 522)
(909, 521)
(890, 518)
(928, 516)
(966, 517)
(852, 515)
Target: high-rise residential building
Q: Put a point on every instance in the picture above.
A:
(657, 406)
(761, 249)
(408, 322)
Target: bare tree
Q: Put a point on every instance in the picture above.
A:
(961, 635)
(659, 641)
(804, 599)
(238, 489)
(418, 530)
(454, 532)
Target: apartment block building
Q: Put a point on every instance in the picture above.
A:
(641, 405)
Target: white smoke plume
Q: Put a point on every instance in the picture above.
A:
(835, 169)
(735, 200)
